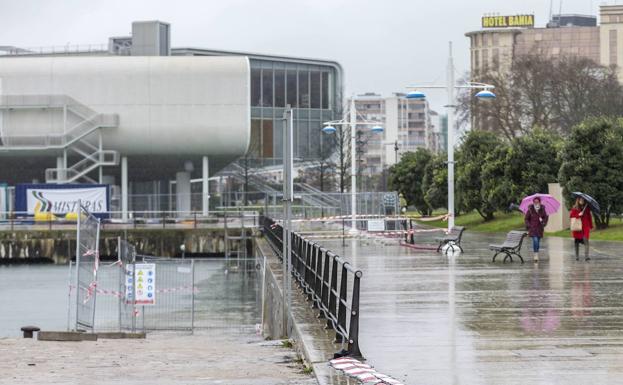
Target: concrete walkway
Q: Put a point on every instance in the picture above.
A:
(430, 319)
(162, 359)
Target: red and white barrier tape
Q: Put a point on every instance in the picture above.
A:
(362, 372)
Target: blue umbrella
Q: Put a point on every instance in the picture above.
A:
(589, 200)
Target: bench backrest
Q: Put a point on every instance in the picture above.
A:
(514, 239)
(457, 231)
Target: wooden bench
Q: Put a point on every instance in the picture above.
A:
(455, 235)
(511, 246)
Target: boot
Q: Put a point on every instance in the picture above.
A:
(536, 256)
(586, 257)
(577, 251)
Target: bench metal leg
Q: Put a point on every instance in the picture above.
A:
(496, 254)
(440, 246)
(508, 256)
(519, 255)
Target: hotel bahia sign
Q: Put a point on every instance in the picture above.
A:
(508, 21)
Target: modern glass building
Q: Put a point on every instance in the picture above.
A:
(312, 87)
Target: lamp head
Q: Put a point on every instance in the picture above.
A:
(416, 95)
(485, 94)
(329, 129)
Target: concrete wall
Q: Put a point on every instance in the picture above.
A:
(179, 105)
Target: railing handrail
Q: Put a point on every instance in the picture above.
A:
(316, 270)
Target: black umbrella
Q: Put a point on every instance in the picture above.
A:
(589, 199)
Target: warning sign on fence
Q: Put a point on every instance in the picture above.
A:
(145, 283)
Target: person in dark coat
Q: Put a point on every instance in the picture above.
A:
(583, 211)
(536, 220)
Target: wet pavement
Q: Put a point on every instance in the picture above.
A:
(431, 319)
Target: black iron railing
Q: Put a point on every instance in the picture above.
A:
(331, 284)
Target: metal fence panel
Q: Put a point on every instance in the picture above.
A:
(87, 261)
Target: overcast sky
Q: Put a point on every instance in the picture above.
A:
(383, 45)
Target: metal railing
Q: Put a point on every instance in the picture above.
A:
(18, 220)
(330, 283)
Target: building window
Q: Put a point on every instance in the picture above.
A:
(485, 59)
(256, 87)
(612, 35)
(267, 87)
(280, 88)
(256, 138)
(314, 86)
(267, 138)
(291, 88)
(495, 59)
(303, 89)
(325, 90)
(496, 39)
(485, 41)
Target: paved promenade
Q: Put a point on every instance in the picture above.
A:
(161, 359)
(430, 319)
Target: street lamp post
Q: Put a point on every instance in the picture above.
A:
(329, 128)
(484, 93)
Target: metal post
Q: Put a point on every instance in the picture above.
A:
(69, 295)
(287, 208)
(122, 278)
(124, 188)
(100, 155)
(192, 290)
(206, 186)
(353, 167)
(450, 109)
(77, 285)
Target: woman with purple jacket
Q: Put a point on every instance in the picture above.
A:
(536, 219)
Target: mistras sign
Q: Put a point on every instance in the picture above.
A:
(508, 21)
(61, 199)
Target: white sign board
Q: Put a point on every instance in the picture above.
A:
(145, 283)
(63, 201)
(376, 225)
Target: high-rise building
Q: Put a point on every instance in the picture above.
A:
(498, 43)
(408, 124)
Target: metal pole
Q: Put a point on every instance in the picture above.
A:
(353, 167)
(69, 295)
(124, 188)
(206, 186)
(290, 125)
(192, 290)
(450, 108)
(287, 196)
(79, 220)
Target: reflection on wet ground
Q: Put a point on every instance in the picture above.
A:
(432, 319)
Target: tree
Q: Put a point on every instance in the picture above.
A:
(435, 182)
(551, 93)
(407, 175)
(477, 149)
(341, 144)
(532, 162)
(592, 162)
(322, 172)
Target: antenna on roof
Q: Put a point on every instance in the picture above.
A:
(551, 5)
(560, 8)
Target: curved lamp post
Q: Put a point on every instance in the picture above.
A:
(484, 93)
(329, 128)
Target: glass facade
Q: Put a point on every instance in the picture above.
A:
(312, 90)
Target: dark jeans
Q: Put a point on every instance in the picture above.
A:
(536, 244)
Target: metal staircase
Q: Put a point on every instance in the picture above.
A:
(308, 195)
(81, 142)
